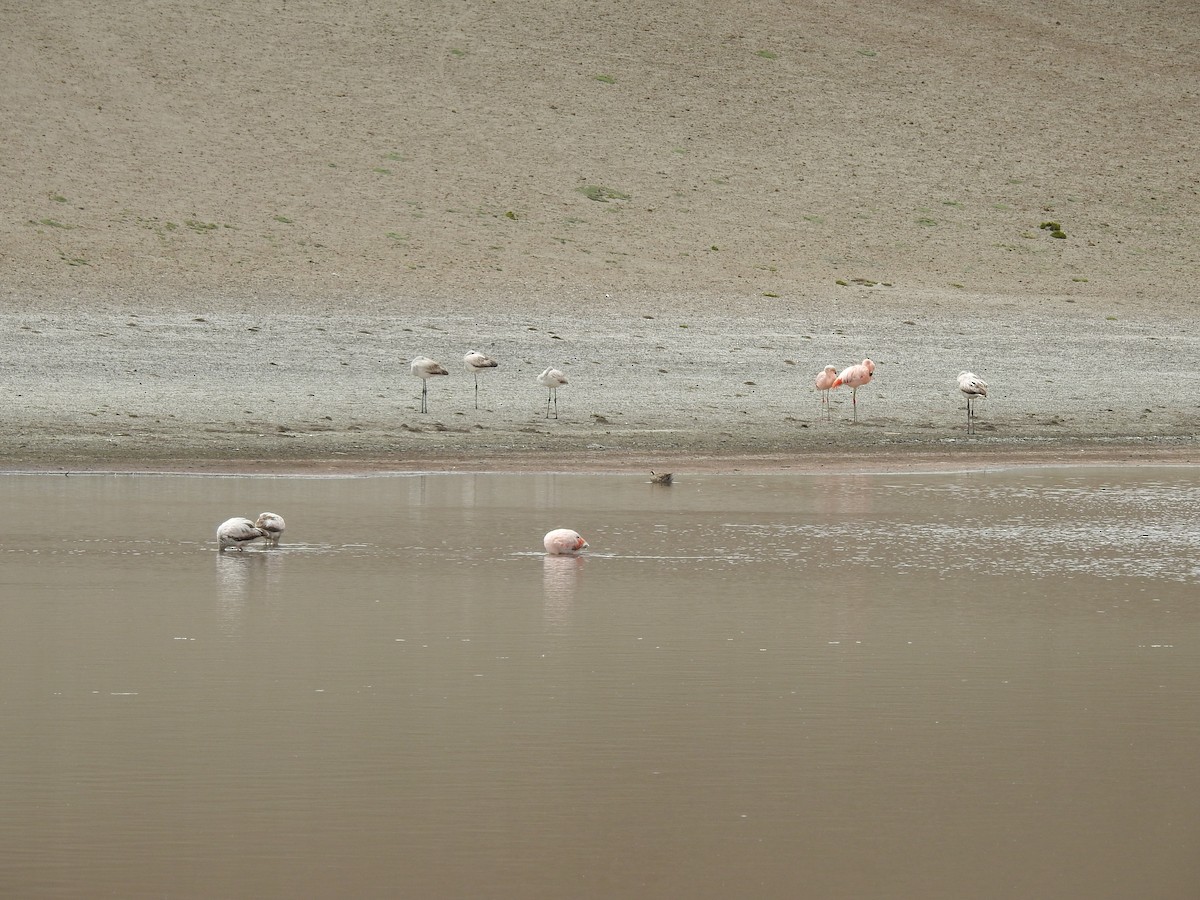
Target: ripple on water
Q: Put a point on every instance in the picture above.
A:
(1106, 531)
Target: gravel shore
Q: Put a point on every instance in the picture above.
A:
(651, 388)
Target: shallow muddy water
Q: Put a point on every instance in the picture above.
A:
(965, 685)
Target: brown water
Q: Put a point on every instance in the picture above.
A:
(962, 686)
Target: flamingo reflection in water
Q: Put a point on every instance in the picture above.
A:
(560, 581)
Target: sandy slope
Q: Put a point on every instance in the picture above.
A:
(335, 188)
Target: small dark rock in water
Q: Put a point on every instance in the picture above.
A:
(664, 478)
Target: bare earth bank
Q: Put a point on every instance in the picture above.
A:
(655, 387)
(223, 232)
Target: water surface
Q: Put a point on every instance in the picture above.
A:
(967, 685)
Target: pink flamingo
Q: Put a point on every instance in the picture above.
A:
(973, 386)
(564, 541)
(855, 377)
(825, 380)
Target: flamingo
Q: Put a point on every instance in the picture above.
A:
(824, 383)
(425, 368)
(272, 526)
(237, 532)
(476, 362)
(564, 541)
(855, 377)
(973, 386)
(553, 379)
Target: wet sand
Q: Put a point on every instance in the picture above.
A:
(800, 464)
(288, 392)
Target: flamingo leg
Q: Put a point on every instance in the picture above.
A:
(424, 396)
(555, 393)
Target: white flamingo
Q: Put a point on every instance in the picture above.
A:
(238, 532)
(563, 541)
(973, 386)
(272, 525)
(425, 368)
(553, 379)
(477, 362)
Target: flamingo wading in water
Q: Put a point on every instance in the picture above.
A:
(272, 525)
(237, 532)
(553, 379)
(425, 368)
(973, 386)
(477, 362)
(855, 377)
(563, 541)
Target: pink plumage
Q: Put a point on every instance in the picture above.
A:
(855, 377)
(825, 380)
(564, 540)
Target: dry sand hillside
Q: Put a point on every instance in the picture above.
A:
(321, 146)
(821, 169)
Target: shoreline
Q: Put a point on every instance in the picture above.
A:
(898, 459)
(311, 393)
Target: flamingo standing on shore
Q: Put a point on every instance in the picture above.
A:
(237, 532)
(553, 379)
(824, 383)
(425, 368)
(973, 386)
(477, 362)
(563, 541)
(855, 377)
